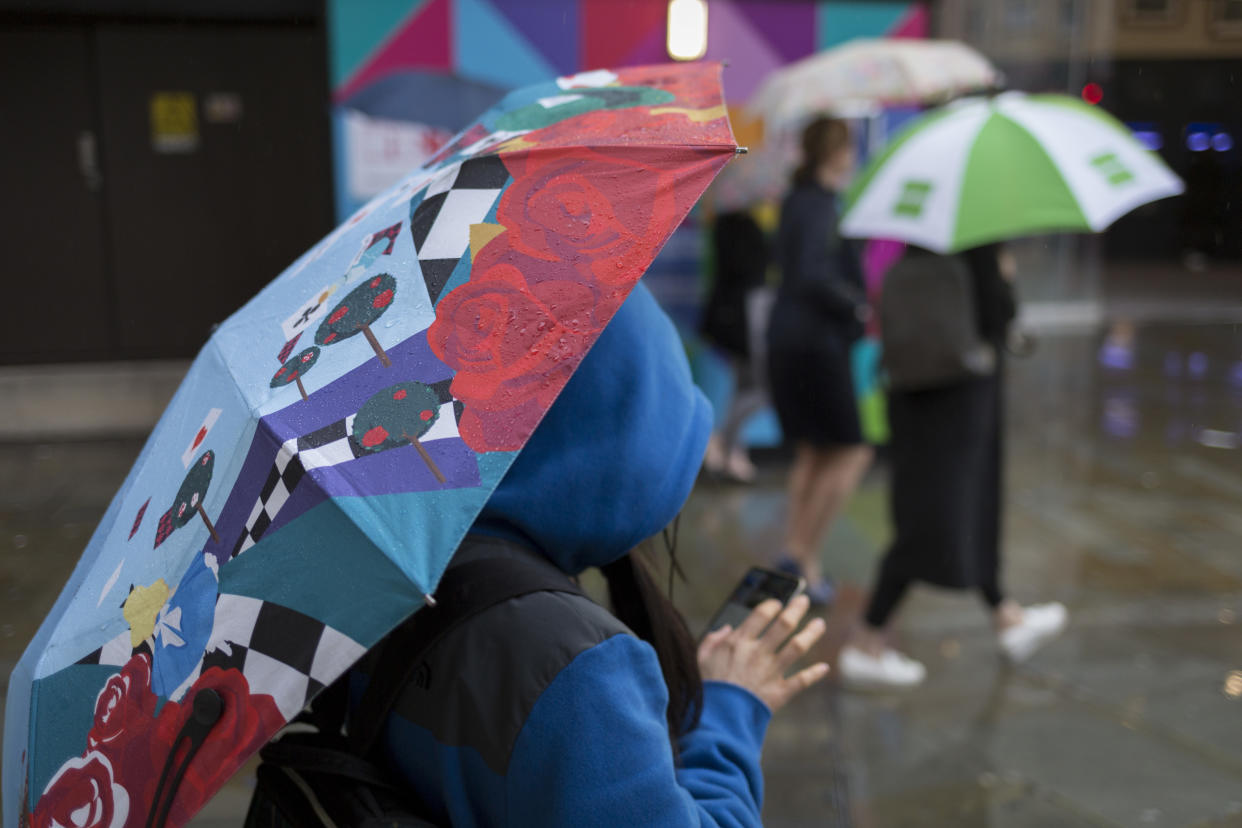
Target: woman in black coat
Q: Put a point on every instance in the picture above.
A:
(946, 498)
(819, 313)
(741, 263)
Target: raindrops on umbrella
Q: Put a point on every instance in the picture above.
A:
(189, 500)
(397, 416)
(295, 367)
(355, 314)
(142, 510)
(288, 347)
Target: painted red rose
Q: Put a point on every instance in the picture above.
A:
(670, 125)
(604, 211)
(121, 731)
(512, 343)
(248, 721)
(695, 86)
(125, 706)
(82, 794)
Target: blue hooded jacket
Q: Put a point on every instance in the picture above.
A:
(545, 710)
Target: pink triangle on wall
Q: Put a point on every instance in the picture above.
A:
(653, 48)
(424, 41)
(915, 23)
(612, 31)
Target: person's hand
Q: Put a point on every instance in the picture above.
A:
(761, 651)
(1019, 343)
(1008, 265)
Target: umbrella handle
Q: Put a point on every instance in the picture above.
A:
(208, 708)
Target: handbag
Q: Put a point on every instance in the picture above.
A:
(929, 325)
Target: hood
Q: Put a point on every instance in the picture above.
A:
(616, 455)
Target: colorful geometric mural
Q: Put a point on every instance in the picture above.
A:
(406, 74)
(435, 64)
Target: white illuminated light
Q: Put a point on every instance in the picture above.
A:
(687, 29)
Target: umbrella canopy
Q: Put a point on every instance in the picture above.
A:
(987, 169)
(422, 97)
(336, 438)
(871, 71)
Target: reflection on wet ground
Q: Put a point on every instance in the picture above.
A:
(1124, 488)
(1124, 496)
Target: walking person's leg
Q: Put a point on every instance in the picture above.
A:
(1020, 630)
(825, 478)
(798, 521)
(821, 414)
(867, 659)
(839, 471)
(748, 399)
(890, 589)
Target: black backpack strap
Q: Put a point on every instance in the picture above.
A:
(310, 757)
(465, 590)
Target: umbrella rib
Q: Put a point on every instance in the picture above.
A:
(730, 148)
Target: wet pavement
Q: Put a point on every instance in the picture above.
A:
(1124, 501)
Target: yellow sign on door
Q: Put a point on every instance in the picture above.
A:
(174, 122)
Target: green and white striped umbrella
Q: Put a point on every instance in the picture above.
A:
(986, 169)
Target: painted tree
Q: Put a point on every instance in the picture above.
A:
(396, 416)
(357, 312)
(295, 367)
(189, 500)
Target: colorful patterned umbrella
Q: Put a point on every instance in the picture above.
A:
(871, 71)
(987, 169)
(317, 493)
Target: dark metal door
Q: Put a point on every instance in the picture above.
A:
(216, 141)
(58, 304)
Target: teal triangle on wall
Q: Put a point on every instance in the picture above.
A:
(357, 29)
(489, 49)
(840, 21)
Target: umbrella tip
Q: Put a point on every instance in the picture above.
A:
(741, 150)
(430, 599)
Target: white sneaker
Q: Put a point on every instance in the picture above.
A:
(890, 669)
(1040, 624)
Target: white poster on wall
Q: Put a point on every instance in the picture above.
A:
(379, 152)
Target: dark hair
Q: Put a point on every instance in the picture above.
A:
(642, 606)
(822, 138)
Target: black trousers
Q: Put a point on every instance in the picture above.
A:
(891, 587)
(945, 461)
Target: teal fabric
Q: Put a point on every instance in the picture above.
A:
(63, 714)
(352, 574)
(618, 452)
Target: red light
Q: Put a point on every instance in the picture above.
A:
(1093, 93)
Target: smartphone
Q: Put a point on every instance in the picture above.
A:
(756, 586)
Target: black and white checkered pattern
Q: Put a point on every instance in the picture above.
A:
(281, 652)
(117, 651)
(286, 473)
(457, 198)
(328, 446)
